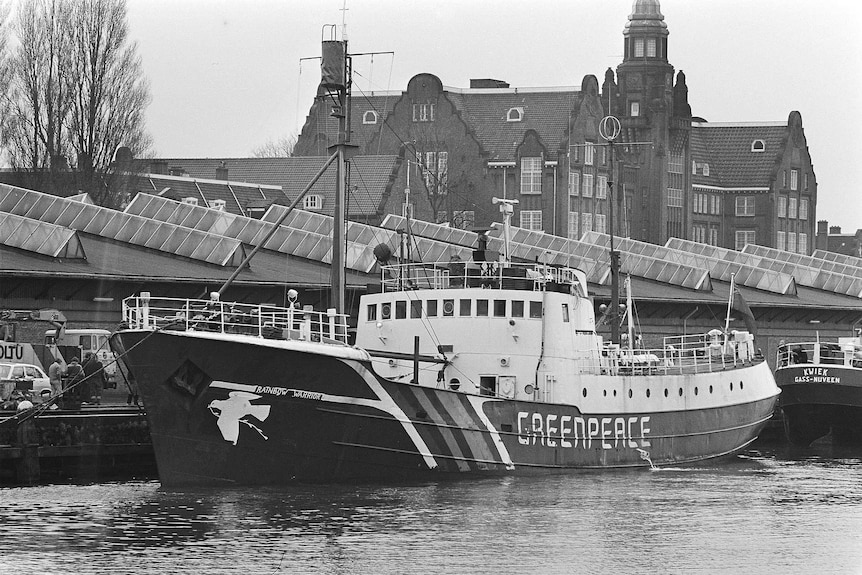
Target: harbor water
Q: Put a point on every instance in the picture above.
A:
(767, 511)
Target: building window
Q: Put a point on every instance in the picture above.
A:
(782, 206)
(781, 241)
(758, 146)
(589, 153)
(588, 223)
(794, 179)
(791, 242)
(783, 178)
(803, 208)
(639, 47)
(531, 175)
(791, 209)
(574, 183)
(802, 243)
(573, 226)
(693, 168)
(312, 202)
(531, 220)
(650, 47)
(369, 117)
(601, 187)
(744, 237)
(713, 236)
(588, 186)
(601, 224)
(744, 206)
(716, 206)
(515, 114)
(805, 181)
(674, 198)
(573, 153)
(423, 112)
(705, 169)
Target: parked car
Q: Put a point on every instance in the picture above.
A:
(23, 377)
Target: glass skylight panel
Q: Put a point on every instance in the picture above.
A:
(39, 237)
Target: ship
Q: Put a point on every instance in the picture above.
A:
(821, 390)
(463, 369)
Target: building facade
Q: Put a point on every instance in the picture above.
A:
(671, 174)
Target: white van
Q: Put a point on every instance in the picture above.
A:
(88, 341)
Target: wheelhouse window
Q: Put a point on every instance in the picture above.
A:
(535, 309)
(431, 308)
(466, 308)
(518, 308)
(499, 308)
(482, 308)
(400, 310)
(416, 309)
(372, 312)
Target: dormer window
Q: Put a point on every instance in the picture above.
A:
(515, 114)
(369, 117)
(635, 109)
(705, 169)
(758, 146)
(312, 202)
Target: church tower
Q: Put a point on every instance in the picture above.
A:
(651, 109)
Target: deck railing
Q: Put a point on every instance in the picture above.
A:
(698, 353)
(489, 275)
(271, 322)
(819, 353)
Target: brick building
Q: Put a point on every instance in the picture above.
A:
(672, 174)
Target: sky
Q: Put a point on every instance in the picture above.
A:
(227, 76)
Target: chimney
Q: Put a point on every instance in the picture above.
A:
(221, 171)
(822, 227)
(834, 230)
(159, 167)
(486, 83)
(178, 171)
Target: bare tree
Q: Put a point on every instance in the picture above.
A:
(40, 86)
(281, 148)
(110, 94)
(5, 71)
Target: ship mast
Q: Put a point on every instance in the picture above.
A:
(335, 72)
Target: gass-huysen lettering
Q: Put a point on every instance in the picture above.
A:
(562, 430)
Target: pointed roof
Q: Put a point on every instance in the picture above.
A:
(733, 151)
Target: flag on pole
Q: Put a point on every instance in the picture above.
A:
(741, 306)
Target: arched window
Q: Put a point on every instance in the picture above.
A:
(758, 146)
(369, 117)
(515, 114)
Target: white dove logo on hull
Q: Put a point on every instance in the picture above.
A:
(232, 411)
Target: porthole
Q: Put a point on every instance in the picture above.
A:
(665, 392)
(647, 393)
(710, 389)
(615, 393)
(387, 311)
(741, 385)
(584, 392)
(680, 392)
(454, 384)
(695, 391)
(731, 386)
(605, 392)
(630, 394)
